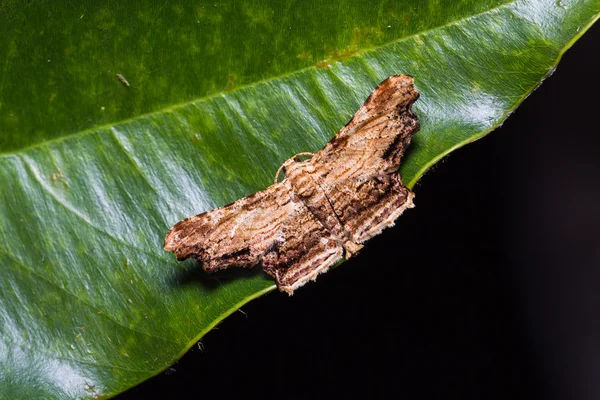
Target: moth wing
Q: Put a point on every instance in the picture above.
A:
(304, 250)
(365, 207)
(373, 141)
(236, 234)
(358, 168)
(271, 228)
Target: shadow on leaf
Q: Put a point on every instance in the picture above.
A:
(193, 274)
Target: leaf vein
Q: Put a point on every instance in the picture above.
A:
(32, 172)
(253, 84)
(80, 299)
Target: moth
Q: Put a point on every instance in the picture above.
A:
(324, 209)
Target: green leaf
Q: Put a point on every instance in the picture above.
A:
(93, 173)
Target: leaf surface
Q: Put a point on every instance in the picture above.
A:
(93, 173)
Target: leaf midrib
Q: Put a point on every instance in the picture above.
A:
(242, 87)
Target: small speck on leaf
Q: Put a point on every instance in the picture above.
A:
(323, 64)
(58, 177)
(122, 79)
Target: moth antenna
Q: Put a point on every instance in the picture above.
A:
(306, 153)
(277, 174)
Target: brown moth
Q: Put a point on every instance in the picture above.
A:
(325, 208)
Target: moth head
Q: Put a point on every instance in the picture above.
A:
(291, 163)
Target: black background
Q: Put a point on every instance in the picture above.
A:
(488, 289)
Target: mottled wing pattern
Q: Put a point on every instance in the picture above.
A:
(347, 193)
(374, 140)
(267, 228)
(306, 248)
(239, 232)
(358, 168)
(366, 206)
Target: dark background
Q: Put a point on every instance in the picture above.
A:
(488, 289)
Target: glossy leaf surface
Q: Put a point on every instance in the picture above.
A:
(93, 173)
